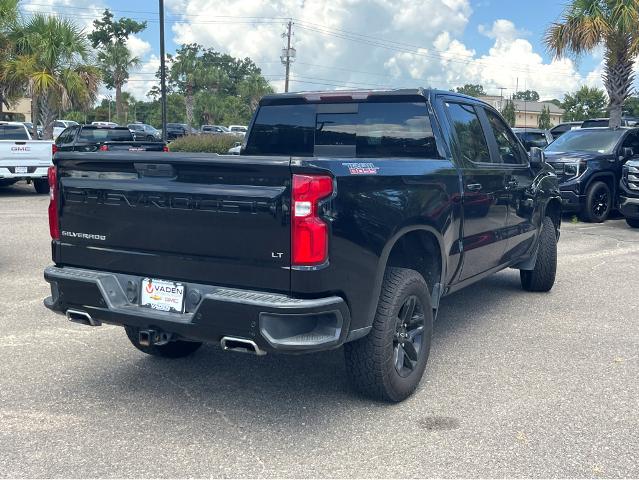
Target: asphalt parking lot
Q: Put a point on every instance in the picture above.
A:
(518, 384)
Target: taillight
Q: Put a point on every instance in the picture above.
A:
(54, 223)
(309, 233)
(104, 148)
(165, 148)
(54, 149)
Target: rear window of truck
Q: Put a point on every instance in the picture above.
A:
(13, 132)
(106, 135)
(400, 129)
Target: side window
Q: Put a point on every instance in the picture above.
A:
(472, 141)
(632, 141)
(64, 137)
(509, 149)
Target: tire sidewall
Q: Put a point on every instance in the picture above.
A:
(401, 387)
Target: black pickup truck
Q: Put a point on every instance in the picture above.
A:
(94, 138)
(344, 221)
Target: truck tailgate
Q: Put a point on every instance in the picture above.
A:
(25, 153)
(220, 220)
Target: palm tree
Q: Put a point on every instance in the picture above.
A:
(52, 63)
(585, 25)
(116, 61)
(9, 17)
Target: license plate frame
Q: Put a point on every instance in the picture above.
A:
(162, 295)
(21, 170)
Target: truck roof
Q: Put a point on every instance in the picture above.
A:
(346, 95)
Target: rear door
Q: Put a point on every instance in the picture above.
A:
(484, 200)
(519, 178)
(219, 220)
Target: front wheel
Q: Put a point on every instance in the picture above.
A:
(598, 203)
(41, 185)
(542, 277)
(633, 222)
(173, 349)
(389, 362)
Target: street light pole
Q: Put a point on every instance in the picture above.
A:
(162, 72)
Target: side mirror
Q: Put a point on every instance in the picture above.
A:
(537, 157)
(627, 153)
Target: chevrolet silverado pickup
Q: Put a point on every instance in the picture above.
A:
(22, 158)
(345, 220)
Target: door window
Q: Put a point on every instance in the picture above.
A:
(470, 135)
(632, 141)
(509, 149)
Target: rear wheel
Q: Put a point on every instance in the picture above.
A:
(598, 203)
(173, 349)
(389, 362)
(41, 185)
(633, 222)
(542, 277)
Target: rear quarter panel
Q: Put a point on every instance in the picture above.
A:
(369, 212)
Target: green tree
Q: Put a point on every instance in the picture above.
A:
(9, 17)
(528, 96)
(51, 62)
(116, 61)
(253, 88)
(584, 103)
(544, 118)
(472, 90)
(508, 112)
(187, 75)
(588, 24)
(631, 107)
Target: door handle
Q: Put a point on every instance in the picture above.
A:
(474, 187)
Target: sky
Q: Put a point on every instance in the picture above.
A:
(359, 44)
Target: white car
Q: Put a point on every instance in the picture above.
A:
(239, 130)
(22, 158)
(105, 124)
(60, 125)
(235, 150)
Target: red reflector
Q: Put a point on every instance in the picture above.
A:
(104, 148)
(309, 233)
(54, 149)
(54, 223)
(165, 148)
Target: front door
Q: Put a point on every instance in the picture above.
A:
(484, 200)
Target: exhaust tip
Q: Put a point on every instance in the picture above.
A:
(241, 345)
(83, 318)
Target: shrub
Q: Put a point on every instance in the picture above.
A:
(204, 143)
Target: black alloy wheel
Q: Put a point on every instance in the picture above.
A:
(409, 336)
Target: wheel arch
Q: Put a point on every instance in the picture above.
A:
(397, 253)
(607, 177)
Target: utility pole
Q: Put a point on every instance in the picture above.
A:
(162, 72)
(288, 53)
(501, 97)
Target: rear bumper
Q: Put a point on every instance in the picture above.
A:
(32, 172)
(274, 322)
(629, 206)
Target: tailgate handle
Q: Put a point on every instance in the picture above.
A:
(155, 169)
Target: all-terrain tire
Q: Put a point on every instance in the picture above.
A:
(598, 193)
(371, 361)
(173, 349)
(542, 277)
(41, 185)
(633, 222)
